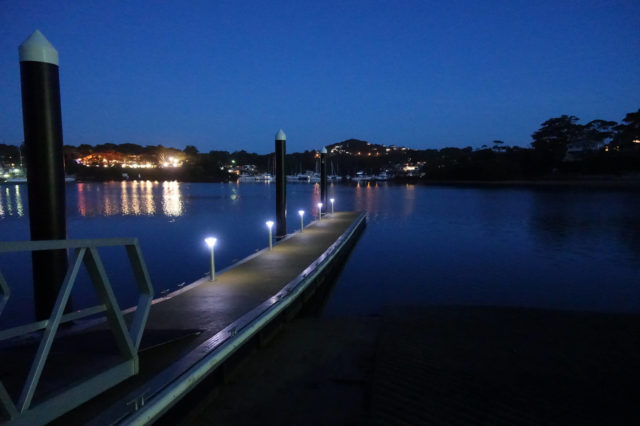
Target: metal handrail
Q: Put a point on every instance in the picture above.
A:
(39, 245)
(128, 341)
(21, 330)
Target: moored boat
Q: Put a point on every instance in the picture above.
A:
(265, 177)
(382, 176)
(362, 177)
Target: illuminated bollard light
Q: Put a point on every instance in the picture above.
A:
(211, 242)
(332, 200)
(319, 211)
(301, 213)
(270, 225)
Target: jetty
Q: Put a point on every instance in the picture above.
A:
(102, 365)
(190, 336)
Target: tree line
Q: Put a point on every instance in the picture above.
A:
(561, 147)
(597, 147)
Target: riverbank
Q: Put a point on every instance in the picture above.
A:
(437, 365)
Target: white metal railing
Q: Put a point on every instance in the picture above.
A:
(23, 411)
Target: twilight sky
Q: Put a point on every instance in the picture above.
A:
(228, 74)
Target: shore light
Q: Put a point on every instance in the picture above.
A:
(319, 211)
(270, 225)
(301, 213)
(332, 200)
(211, 242)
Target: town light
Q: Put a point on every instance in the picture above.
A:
(332, 200)
(211, 242)
(301, 213)
(270, 225)
(319, 211)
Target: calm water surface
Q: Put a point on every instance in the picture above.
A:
(552, 248)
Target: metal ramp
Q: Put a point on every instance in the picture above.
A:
(25, 409)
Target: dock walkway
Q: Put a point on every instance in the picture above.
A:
(211, 306)
(193, 330)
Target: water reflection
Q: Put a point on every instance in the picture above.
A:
(11, 201)
(374, 198)
(171, 199)
(432, 245)
(125, 198)
(136, 198)
(149, 205)
(234, 193)
(315, 199)
(9, 205)
(408, 206)
(584, 222)
(558, 218)
(19, 201)
(111, 205)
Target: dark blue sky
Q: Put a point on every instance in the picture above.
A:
(228, 74)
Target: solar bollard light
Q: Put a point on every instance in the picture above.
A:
(332, 200)
(270, 225)
(211, 242)
(319, 211)
(301, 213)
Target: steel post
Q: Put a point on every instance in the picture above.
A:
(42, 120)
(323, 176)
(281, 186)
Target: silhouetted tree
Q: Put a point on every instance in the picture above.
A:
(498, 145)
(191, 150)
(552, 138)
(599, 130)
(130, 148)
(628, 132)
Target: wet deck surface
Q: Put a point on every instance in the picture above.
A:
(212, 306)
(179, 324)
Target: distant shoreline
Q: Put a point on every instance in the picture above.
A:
(602, 182)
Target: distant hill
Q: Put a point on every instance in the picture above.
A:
(353, 146)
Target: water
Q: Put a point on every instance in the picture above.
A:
(552, 248)
(560, 249)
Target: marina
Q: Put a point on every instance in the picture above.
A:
(449, 236)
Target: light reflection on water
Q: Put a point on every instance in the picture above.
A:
(18, 201)
(565, 249)
(409, 201)
(315, 199)
(377, 199)
(11, 202)
(136, 198)
(171, 199)
(131, 198)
